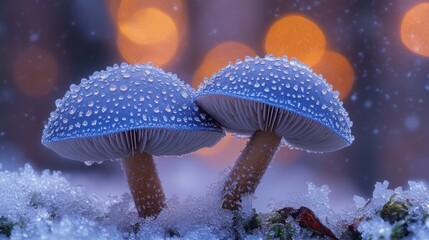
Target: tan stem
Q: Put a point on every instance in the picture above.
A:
(144, 184)
(249, 168)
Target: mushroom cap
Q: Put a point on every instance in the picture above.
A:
(274, 94)
(127, 109)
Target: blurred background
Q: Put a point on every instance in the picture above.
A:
(375, 53)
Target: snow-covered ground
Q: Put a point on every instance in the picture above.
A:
(46, 206)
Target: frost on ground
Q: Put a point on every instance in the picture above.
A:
(46, 206)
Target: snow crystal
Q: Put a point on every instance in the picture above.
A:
(46, 206)
(394, 213)
(69, 227)
(317, 199)
(375, 229)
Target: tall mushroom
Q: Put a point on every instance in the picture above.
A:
(272, 99)
(131, 112)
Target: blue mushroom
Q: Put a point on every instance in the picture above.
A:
(274, 100)
(130, 112)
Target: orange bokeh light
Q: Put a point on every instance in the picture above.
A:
(159, 54)
(337, 71)
(35, 71)
(223, 153)
(120, 10)
(149, 31)
(415, 30)
(296, 37)
(219, 57)
(148, 26)
(148, 35)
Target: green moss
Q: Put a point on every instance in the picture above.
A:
(252, 223)
(6, 226)
(276, 217)
(397, 212)
(280, 231)
(399, 231)
(394, 211)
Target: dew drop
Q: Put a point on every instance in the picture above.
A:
(59, 103)
(295, 87)
(72, 110)
(324, 91)
(184, 94)
(126, 74)
(89, 163)
(79, 99)
(123, 88)
(74, 88)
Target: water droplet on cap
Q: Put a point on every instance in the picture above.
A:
(123, 88)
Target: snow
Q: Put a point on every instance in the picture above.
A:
(414, 202)
(412, 122)
(46, 206)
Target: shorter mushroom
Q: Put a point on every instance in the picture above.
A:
(131, 112)
(272, 99)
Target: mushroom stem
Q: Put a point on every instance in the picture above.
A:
(144, 183)
(249, 168)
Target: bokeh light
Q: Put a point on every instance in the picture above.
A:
(159, 53)
(296, 37)
(35, 71)
(149, 31)
(415, 29)
(121, 10)
(148, 26)
(224, 153)
(219, 57)
(337, 70)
